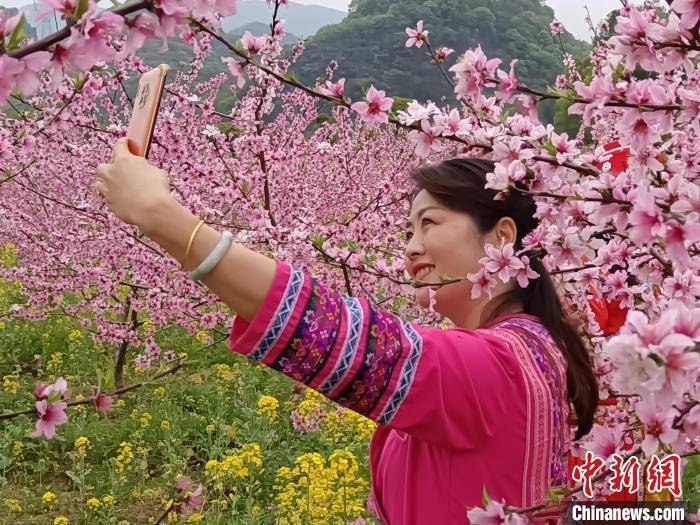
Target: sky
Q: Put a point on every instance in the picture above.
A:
(570, 12)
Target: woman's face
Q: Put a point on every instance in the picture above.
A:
(448, 241)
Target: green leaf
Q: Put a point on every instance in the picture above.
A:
(551, 149)
(290, 77)
(400, 104)
(80, 9)
(318, 240)
(79, 80)
(556, 494)
(17, 34)
(105, 379)
(229, 128)
(485, 496)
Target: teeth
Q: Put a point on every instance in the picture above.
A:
(423, 272)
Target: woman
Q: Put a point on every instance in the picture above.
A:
(483, 405)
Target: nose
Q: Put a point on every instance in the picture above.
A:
(414, 248)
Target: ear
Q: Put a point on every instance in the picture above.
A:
(505, 231)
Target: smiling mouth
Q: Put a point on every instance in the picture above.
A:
(420, 274)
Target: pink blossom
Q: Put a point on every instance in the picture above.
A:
(187, 499)
(432, 297)
(57, 390)
(512, 155)
(600, 91)
(658, 426)
(508, 81)
(676, 236)
(561, 82)
(252, 43)
(452, 124)
(526, 273)
(426, 140)
(492, 514)
(691, 422)
(501, 261)
(28, 79)
(64, 7)
(333, 89)
(103, 402)
(500, 179)
(373, 111)
(645, 217)
(9, 67)
(442, 53)
(50, 416)
(236, 69)
(556, 27)
(565, 149)
(8, 23)
(473, 70)
(605, 441)
(689, 11)
(417, 35)
(416, 111)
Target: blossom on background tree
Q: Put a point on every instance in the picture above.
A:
(331, 197)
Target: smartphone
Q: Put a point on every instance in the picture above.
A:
(145, 110)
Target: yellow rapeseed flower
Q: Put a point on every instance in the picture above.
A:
(165, 424)
(331, 490)
(196, 378)
(82, 442)
(60, 520)
(224, 371)
(267, 406)
(75, 335)
(159, 391)
(194, 518)
(93, 503)
(13, 504)
(108, 500)
(10, 384)
(48, 497)
(145, 419)
(79, 408)
(238, 464)
(125, 456)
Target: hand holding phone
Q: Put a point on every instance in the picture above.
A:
(145, 110)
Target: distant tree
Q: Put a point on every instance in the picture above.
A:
(368, 43)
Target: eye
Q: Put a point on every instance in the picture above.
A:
(408, 234)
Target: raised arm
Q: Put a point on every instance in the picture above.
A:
(450, 387)
(241, 279)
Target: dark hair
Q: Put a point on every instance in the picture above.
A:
(459, 184)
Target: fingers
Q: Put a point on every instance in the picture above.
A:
(121, 147)
(102, 170)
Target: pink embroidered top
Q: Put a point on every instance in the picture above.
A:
(458, 409)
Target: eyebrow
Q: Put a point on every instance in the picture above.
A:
(408, 223)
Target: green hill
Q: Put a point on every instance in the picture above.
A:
(369, 43)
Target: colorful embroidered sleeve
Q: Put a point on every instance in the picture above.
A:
(451, 387)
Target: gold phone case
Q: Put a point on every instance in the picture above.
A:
(145, 111)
